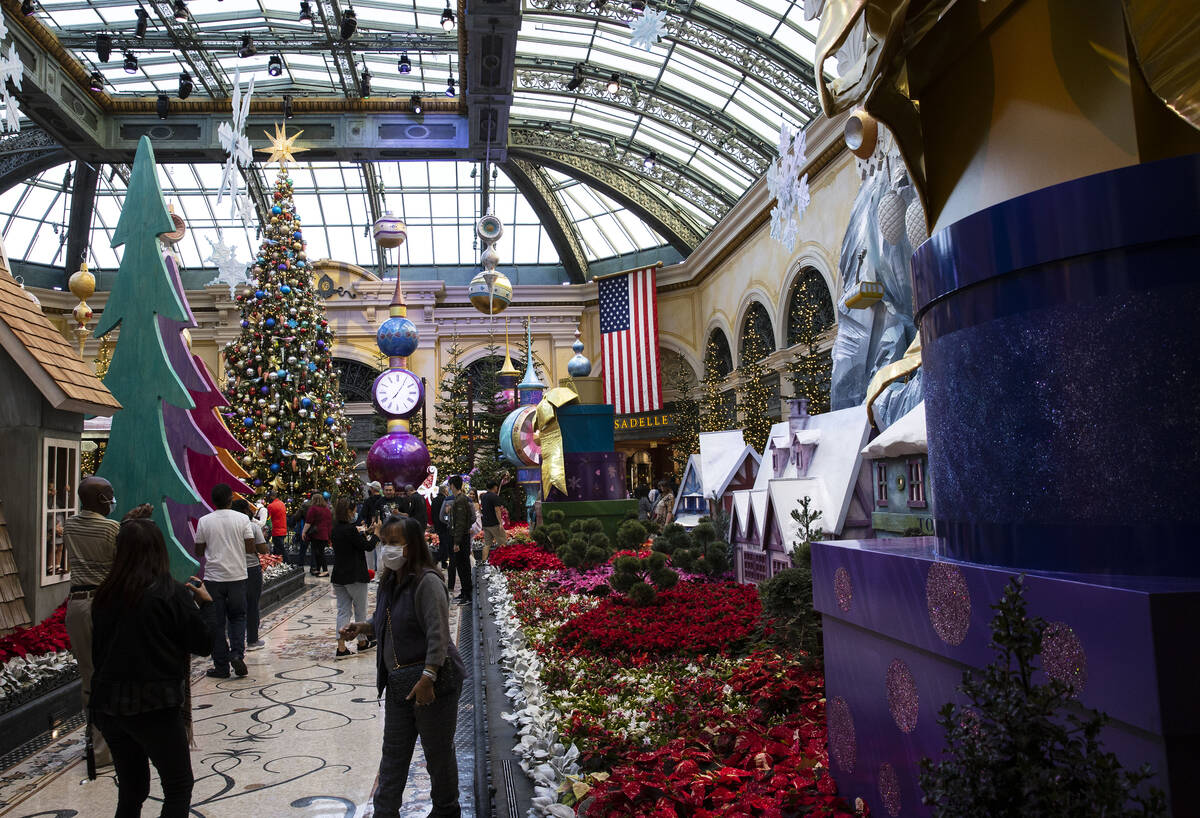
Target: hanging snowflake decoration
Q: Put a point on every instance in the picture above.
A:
(788, 187)
(647, 28)
(237, 147)
(10, 69)
(230, 271)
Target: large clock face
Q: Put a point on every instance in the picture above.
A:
(398, 393)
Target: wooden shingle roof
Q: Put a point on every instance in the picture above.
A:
(46, 357)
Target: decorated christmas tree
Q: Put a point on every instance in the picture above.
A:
(282, 385)
(685, 414)
(138, 460)
(714, 406)
(450, 447)
(754, 390)
(811, 368)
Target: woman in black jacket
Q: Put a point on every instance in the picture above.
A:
(349, 577)
(145, 625)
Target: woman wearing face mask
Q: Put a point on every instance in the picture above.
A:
(419, 666)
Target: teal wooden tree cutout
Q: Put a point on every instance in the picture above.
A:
(137, 461)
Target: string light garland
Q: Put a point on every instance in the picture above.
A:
(754, 388)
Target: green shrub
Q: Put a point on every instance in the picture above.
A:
(630, 535)
(583, 546)
(787, 602)
(1019, 748)
(699, 551)
(630, 572)
(641, 594)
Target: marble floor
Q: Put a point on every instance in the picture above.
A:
(299, 736)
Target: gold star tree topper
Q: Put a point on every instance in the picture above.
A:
(283, 147)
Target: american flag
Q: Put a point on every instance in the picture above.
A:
(629, 341)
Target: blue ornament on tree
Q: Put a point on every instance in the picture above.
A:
(306, 402)
(247, 422)
(245, 324)
(330, 421)
(397, 336)
(270, 322)
(276, 210)
(274, 467)
(285, 289)
(259, 294)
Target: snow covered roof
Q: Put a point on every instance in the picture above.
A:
(836, 460)
(749, 513)
(785, 495)
(721, 455)
(905, 436)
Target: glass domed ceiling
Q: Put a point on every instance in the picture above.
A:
(640, 148)
(438, 200)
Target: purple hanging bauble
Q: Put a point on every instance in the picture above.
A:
(398, 457)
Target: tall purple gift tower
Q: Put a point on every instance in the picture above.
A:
(1056, 300)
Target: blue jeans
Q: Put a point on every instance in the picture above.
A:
(254, 583)
(227, 614)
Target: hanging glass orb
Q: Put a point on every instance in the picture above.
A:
(490, 300)
(390, 230)
(397, 336)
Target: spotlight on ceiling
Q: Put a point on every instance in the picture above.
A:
(275, 65)
(349, 24)
(637, 6)
(415, 101)
(287, 106)
(305, 11)
(576, 77)
(27, 8)
(130, 64)
(185, 85)
(447, 18)
(143, 21)
(405, 64)
(596, 4)
(450, 87)
(96, 82)
(103, 47)
(650, 161)
(181, 10)
(364, 84)
(247, 49)
(163, 106)
(614, 83)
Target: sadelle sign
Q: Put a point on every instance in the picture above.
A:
(650, 420)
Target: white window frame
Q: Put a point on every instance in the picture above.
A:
(65, 504)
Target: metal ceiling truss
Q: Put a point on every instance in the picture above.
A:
(196, 40)
(715, 129)
(666, 219)
(715, 36)
(679, 180)
(25, 154)
(488, 31)
(535, 186)
(183, 34)
(374, 191)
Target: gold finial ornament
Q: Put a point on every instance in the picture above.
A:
(82, 285)
(283, 147)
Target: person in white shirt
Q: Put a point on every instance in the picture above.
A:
(224, 537)
(254, 576)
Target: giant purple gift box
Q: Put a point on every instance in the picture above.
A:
(1059, 364)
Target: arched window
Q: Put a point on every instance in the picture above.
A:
(678, 377)
(810, 308)
(718, 354)
(354, 380)
(758, 335)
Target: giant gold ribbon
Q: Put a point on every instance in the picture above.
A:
(902, 368)
(545, 424)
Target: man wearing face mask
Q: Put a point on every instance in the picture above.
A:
(91, 541)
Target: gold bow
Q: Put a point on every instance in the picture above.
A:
(545, 424)
(891, 373)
